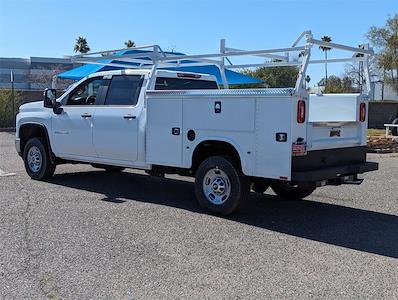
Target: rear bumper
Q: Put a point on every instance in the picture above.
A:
(328, 164)
(334, 172)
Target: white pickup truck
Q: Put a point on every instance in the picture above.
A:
(178, 122)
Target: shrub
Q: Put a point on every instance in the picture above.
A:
(6, 116)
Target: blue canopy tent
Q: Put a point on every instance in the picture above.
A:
(233, 78)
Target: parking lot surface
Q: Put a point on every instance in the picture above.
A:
(89, 234)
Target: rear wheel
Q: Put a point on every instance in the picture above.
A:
(37, 160)
(220, 186)
(259, 187)
(288, 191)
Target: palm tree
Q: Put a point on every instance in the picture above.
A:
(129, 44)
(307, 80)
(325, 49)
(81, 45)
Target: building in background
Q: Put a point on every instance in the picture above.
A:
(34, 73)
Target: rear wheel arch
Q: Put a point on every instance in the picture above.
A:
(208, 148)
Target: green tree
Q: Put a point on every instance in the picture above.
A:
(336, 84)
(325, 49)
(129, 44)
(275, 76)
(81, 45)
(385, 41)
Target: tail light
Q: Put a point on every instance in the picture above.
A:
(300, 111)
(362, 112)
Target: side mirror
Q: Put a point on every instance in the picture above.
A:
(50, 97)
(50, 101)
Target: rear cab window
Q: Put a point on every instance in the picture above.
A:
(165, 83)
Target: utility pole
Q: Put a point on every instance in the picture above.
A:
(12, 96)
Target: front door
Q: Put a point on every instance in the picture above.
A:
(116, 122)
(72, 129)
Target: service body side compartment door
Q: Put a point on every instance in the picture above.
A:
(273, 137)
(164, 130)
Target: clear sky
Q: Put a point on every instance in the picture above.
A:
(50, 27)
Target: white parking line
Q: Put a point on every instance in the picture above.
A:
(5, 174)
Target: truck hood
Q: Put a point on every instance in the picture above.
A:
(32, 106)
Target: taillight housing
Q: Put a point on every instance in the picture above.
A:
(362, 112)
(301, 111)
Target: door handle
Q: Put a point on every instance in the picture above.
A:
(129, 117)
(86, 116)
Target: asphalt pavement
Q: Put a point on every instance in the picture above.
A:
(87, 234)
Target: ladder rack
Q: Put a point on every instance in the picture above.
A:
(153, 57)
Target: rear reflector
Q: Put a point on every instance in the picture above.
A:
(299, 149)
(188, 75)
(300, 111)
(362, 112)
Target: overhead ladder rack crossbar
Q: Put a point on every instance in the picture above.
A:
(155, 57)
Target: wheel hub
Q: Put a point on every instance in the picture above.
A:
(34, 159)
(216, 186)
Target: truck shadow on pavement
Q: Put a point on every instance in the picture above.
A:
(342, 226)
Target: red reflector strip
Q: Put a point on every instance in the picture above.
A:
(299, 149)
(300, 111)
(362, 112)
(188, 75)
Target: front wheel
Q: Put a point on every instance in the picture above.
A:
(288, 191)
(220, 186)
(37, 160)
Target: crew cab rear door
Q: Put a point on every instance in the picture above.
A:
(116, 120)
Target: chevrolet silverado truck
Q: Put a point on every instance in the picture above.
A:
(172, 122)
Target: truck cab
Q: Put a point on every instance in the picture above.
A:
(101, 119)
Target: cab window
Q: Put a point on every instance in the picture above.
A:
(86, 93)
(124, 90)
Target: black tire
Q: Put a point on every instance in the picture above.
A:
(236, 183)
(259, 187)
(288, 192)
(46, 168)
(394, 130)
